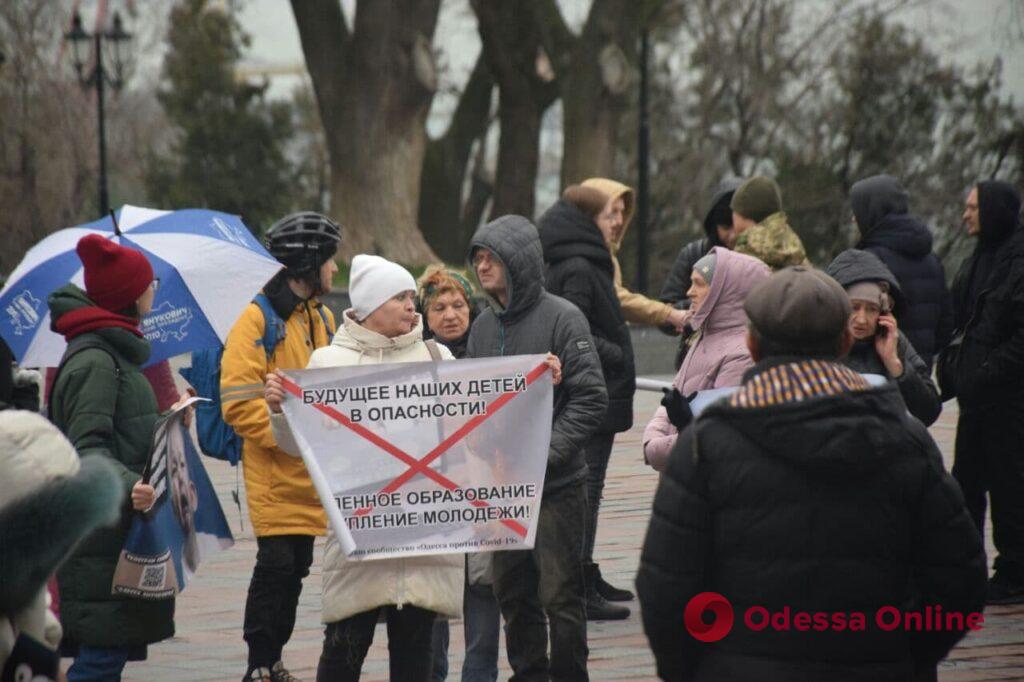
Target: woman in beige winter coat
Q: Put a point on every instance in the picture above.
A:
(381, 327)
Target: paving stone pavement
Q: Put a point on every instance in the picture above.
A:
(209, 646)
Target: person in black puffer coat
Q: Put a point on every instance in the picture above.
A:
(579, 269)
(875, 297)
(807, 491)
(904, 244)
(989, 379)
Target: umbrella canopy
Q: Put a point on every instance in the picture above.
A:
(209, 266)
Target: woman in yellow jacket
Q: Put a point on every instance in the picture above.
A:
(285, 511)
(381, 327)
(614, 220)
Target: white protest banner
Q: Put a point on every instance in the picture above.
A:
(426, 458)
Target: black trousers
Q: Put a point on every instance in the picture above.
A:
(410, 653)
(282, 561)
(990, 460)
(541, 591)
(597, 451)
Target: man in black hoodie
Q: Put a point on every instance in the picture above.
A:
(806, 492)
(988, 295)
(719, 231)
(904, 244)
(547, 581)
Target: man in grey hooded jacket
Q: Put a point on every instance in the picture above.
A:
(523, 319)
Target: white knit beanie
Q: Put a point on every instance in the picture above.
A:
(373, 280)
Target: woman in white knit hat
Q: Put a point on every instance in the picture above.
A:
(382, 326)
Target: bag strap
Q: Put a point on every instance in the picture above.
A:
(435, 352)
(74, 349)
(273, 325)
(327, 325)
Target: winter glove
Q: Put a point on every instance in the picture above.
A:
(677, 408)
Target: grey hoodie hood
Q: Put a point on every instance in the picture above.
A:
(516, 243)
(872, 199)
(853, 266)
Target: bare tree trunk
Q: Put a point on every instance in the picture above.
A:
(595, 70)
(512, 48)
(445, 164)
(374, 86)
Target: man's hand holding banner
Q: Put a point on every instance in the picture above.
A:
(426, 458)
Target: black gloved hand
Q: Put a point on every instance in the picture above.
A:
(677, 407)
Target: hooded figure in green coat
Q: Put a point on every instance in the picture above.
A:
(105, 406)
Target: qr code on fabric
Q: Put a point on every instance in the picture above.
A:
(153, 577)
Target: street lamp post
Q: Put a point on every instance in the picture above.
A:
(99, 78)
(643, 202)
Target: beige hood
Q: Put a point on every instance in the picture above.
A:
(613, 190)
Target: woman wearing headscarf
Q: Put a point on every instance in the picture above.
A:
(718, 354)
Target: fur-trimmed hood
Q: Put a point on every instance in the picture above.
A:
(49, 501)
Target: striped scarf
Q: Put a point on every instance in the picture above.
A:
(796, 382)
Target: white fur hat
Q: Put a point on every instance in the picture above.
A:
(373, 280)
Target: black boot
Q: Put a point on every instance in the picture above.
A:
(599, 608)
(1003, 589)
(609, 591)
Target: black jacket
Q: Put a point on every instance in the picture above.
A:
(580, 271)
(915, 384)
(678, 281)
(989, 292)
(904, 244)
(831, 504)
(536, 321)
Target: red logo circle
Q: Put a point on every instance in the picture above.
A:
(719, 606)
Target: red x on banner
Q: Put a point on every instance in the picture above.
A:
(422, 465)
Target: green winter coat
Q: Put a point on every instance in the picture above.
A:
(773, 242)
(105, 406)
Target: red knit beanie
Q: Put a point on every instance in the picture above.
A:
(115, 276)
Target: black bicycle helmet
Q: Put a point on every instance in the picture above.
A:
(302, 242)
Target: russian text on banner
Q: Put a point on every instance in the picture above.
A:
(426, 458)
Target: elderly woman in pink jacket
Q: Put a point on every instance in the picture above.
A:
(717, 355)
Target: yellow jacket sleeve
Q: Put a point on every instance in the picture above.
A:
(637, 308)
(243, 371)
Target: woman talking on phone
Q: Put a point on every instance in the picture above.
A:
(879, 347)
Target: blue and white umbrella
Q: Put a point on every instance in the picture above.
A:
(208, 263)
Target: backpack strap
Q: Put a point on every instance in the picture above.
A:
(435, 352)
(76, 346)
(273, 325)
(327, 325)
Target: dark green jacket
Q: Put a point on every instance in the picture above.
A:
(105, 406)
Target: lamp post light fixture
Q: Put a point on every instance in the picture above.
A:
(99, 78)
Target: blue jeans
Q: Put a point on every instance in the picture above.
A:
(103, 663)
(482, 628)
